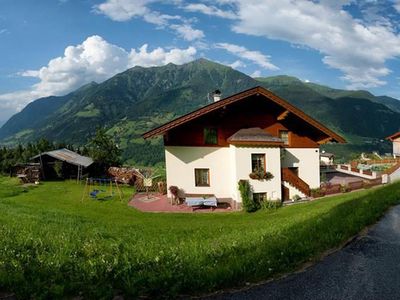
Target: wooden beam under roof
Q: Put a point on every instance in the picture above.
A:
(283, 115)
(324, 141)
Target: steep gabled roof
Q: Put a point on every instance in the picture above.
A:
(235, 98)
(393, 136)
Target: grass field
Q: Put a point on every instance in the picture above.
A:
(52, 245)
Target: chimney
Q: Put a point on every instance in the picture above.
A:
(217, 95)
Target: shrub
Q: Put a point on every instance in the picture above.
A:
(345, 189)
(271, 204)
(249, 205)
(317, 192)
(296, 197)
(174, 191)
(58, 168)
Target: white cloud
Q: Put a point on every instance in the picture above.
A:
(358, 49)
(396, 5)
(237, 64)
(254, 56)
(3, 31)
(187, 32)
(125, 10)
(210, 10)
(256, 73)
(93, 60)
(159, 56)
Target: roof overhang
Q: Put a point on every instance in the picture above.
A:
(259, 91)
(393, 136)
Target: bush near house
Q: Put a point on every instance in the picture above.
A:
(55, 246)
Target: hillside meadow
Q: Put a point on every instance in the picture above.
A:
(53, 245)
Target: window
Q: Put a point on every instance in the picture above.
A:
(258, 162)
(210, 136)
(284, 135)
(259, 197)
(202, 177)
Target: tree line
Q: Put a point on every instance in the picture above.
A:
(101, 148)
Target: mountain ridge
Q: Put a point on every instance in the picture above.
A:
(139, 99)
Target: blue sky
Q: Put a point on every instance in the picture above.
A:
(51, 47)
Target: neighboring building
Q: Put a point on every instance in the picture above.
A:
(62, 163)
(395, 139)
(326, 159)
(209, 150)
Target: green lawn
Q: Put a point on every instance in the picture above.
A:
(53, 245)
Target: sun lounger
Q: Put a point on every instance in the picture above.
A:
(200, 201)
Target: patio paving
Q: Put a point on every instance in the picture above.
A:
(156, 202)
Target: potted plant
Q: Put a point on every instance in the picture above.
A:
(174, 190)
(260, 174)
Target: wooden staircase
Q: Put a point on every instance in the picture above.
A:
(295, 181)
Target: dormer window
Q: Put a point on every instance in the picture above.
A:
(284, 135)
(210, 136)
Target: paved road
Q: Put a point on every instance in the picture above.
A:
(368, 268)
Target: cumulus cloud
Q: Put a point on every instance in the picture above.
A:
(359, 50)
(256, 73)
(210, 10)
(396, 5)
(237, 64)
(93, 60)
(125, 10)
(187, 32)
(159, 56)
(255, 57)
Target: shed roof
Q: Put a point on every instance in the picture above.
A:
(254, 135)
(68, 156)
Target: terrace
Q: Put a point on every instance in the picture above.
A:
(156, 202)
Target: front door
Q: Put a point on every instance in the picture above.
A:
(285, 193)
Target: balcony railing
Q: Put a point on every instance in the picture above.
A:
(294, 180)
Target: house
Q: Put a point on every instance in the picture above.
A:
(395, 139)
(326, 159)
(210, 149)
(62, 163)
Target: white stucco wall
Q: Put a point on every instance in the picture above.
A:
(228, 165)
(394, 176)
(396, 147)
(181, 162)
(242, 156)
(307, 161)
(293, 191)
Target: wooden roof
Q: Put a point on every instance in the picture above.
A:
(393, 136)
(332, 136)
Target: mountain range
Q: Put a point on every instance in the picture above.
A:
(134, 101)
